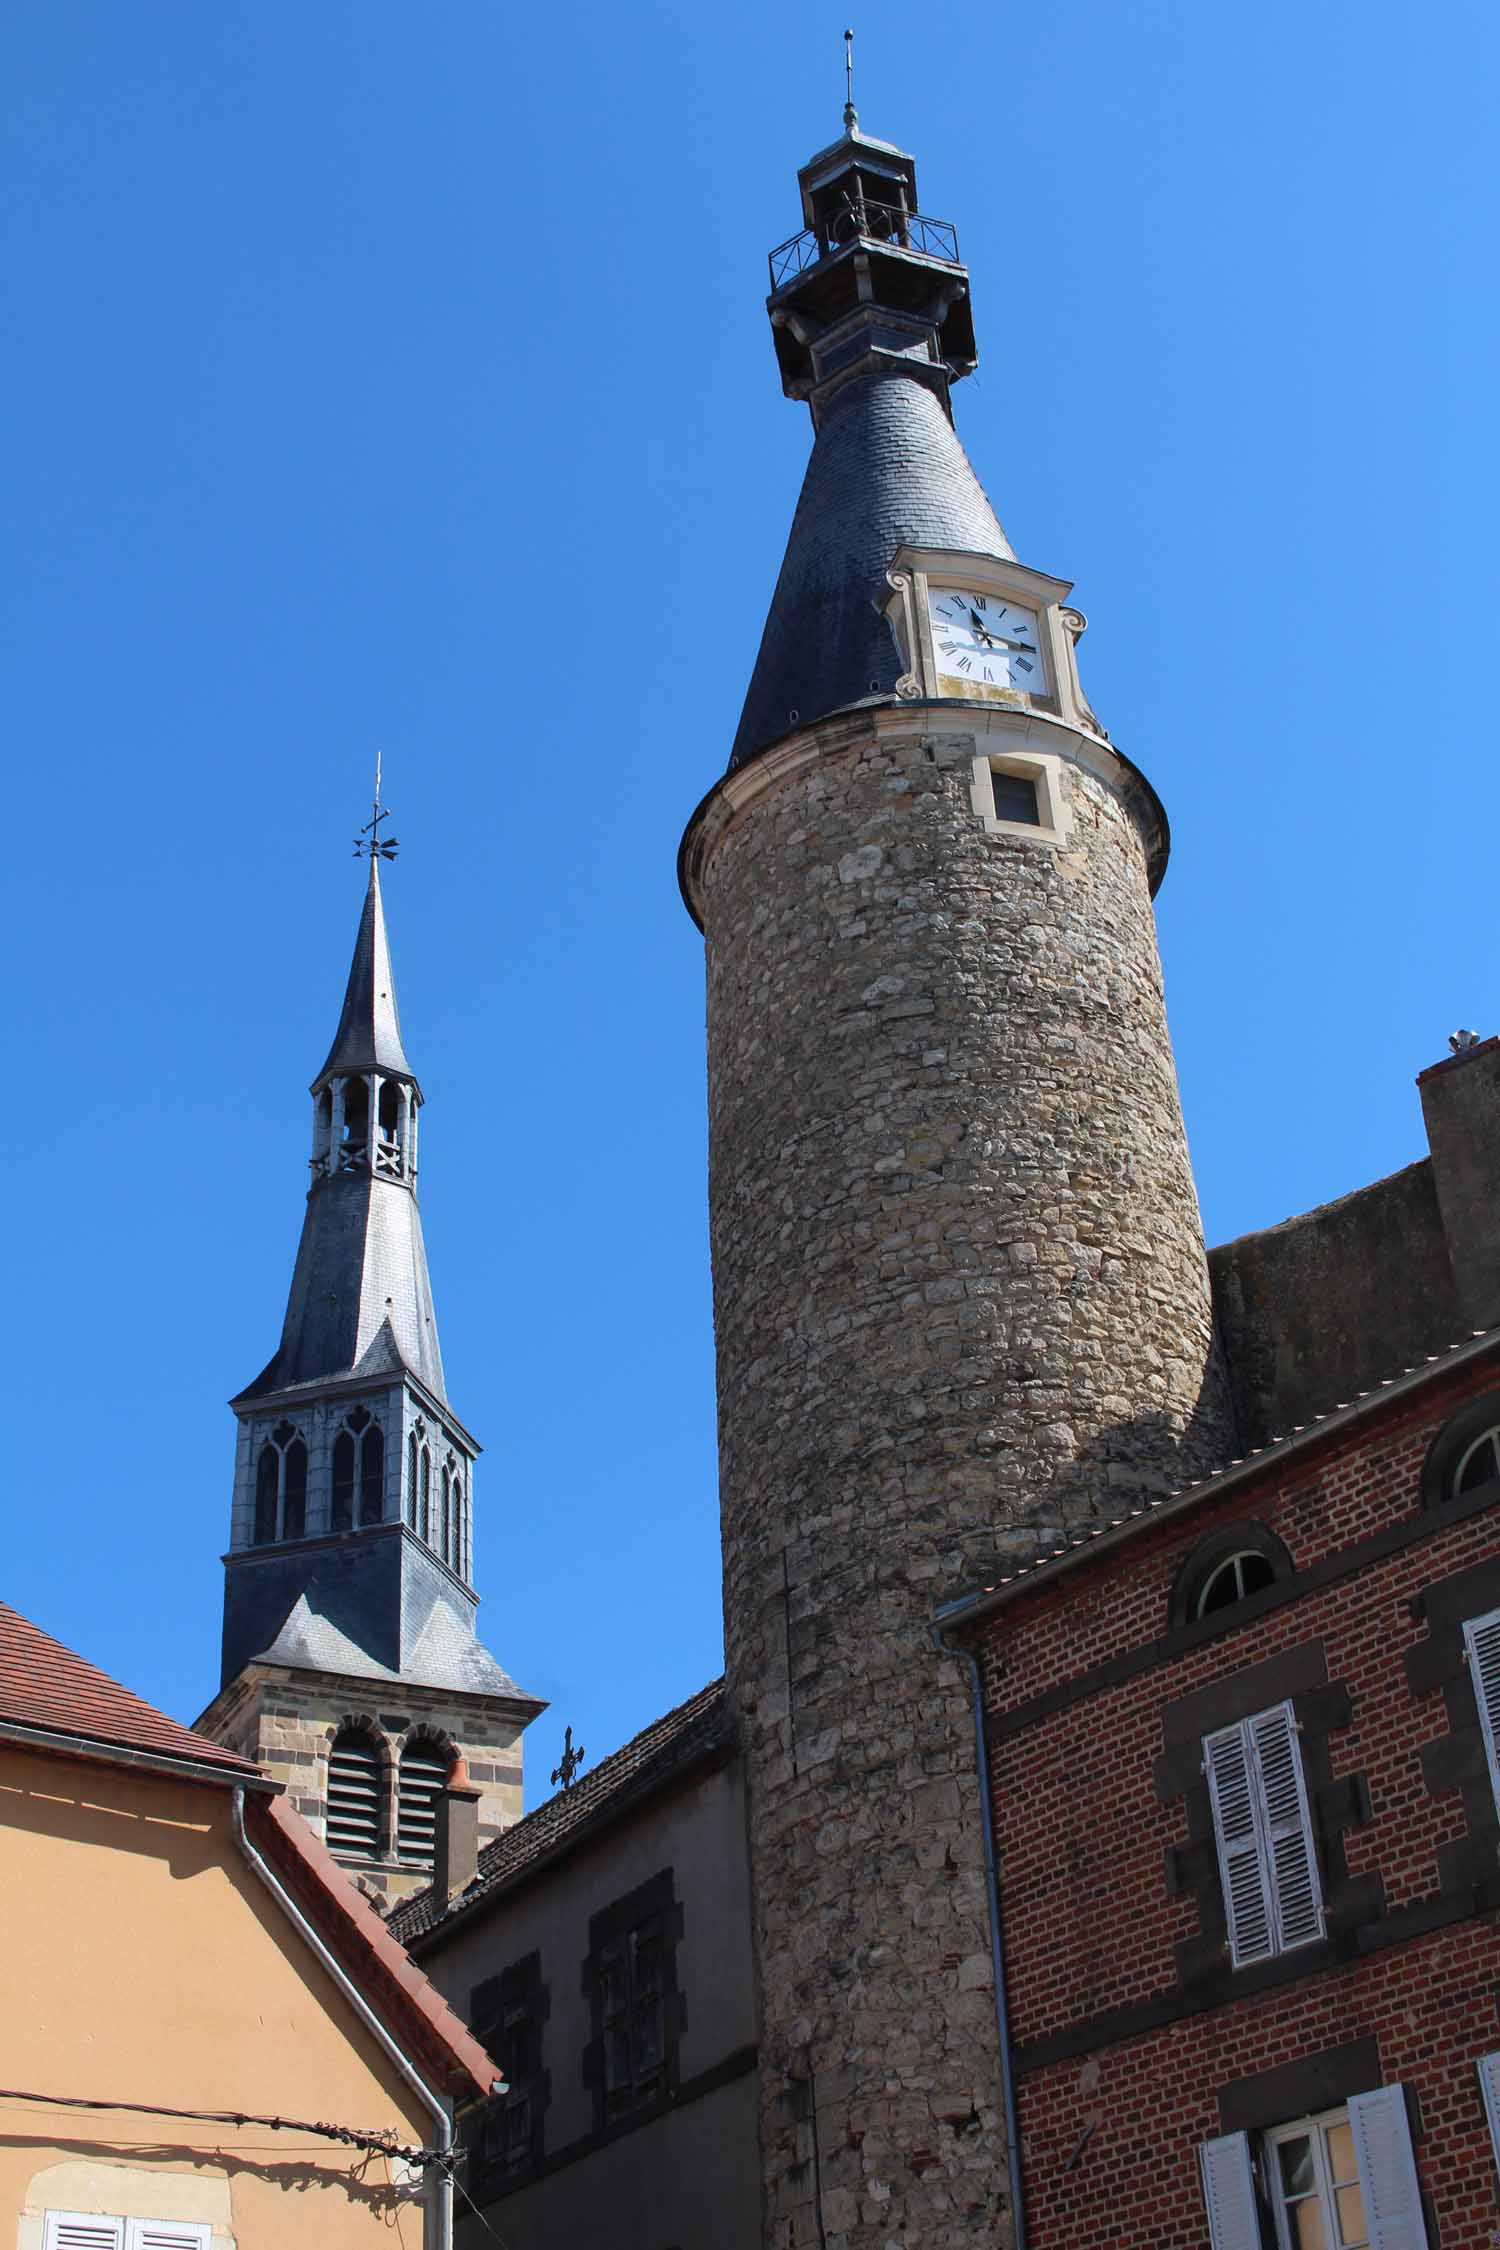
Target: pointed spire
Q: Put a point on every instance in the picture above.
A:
(369, 1032)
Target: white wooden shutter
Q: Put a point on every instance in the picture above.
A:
(73, 2230)
(1489, 2086)
(1387, 2170)
(1267, 1863)
(1296, 1897)
(166, 2234)
(1242, 1860)
(1229, 2193)
(1482, 1648)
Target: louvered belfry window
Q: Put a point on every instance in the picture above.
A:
(420, 1780)
(1267, 1862)
(1482, 1654)
(355, 1790)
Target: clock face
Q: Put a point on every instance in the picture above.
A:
(985, 641)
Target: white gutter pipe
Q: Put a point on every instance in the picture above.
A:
(437, 2231)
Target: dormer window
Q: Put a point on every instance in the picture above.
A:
(1231, 1566)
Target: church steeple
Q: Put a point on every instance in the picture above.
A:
(360, 1295)
(349, 1578)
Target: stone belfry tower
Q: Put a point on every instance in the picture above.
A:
(959, 1284)
(351, 1668)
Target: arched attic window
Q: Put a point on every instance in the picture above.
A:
(421, 1777)
(1231, 1566)
(1465, 1455)
(356, 1794)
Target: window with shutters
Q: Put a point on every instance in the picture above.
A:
(1267, 1862)
(1489, 2087)
(631, 1980)
(506, 2014)
(78, 2230)
(1343, 2180)
(421, 1777)
(356, 1795)
(1482, 1655)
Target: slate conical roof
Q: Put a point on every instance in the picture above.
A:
(369, 1032)
(887, 470)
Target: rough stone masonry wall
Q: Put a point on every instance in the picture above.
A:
(959, 1289)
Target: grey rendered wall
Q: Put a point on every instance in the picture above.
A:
(688, 2180)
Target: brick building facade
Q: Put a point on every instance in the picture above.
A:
(1178, 2009)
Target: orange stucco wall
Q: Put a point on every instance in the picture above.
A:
(143, 1961)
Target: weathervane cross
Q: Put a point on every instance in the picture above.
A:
(369, 843)
(570, 1761)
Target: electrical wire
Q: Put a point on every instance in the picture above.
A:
(382, 2143)
(493, 2232)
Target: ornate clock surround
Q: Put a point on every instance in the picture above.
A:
(914, 571)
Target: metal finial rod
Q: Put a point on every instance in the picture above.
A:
(851, 114)
(369, 843)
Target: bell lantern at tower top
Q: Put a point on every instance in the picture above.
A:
(871, 280)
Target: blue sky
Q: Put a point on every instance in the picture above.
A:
(397, 376)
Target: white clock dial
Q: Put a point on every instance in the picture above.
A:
(980, 639)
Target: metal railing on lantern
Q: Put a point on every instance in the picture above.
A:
(862, 221)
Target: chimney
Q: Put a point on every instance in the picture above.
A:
(1461, 1109)
(456, 1860)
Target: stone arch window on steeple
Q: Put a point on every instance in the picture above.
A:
(421, 1777)
(280, 1487)
(424, 1510)
(411, 1477)
(294, 1490)
(342, 1515)
(356, 1793)
(372, 1475)
(322, 1133)
(267, 1481)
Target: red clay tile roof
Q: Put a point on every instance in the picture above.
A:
(43, 1684)
(700, 1728)
(411, 2008)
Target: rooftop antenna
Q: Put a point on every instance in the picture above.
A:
(369, 843)
(851, 114)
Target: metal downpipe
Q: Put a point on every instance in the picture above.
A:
(437, 2230)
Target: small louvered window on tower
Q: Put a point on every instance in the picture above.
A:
(411, 1478)
(294, 1500)
(356, 1777)
(267, 1477)
(343, 1482)
(372, 1475)
(1267, 1863)
(421, 1779)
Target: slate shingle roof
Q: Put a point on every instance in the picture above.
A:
(887, 471)
(697, 1729)
(43, 1684)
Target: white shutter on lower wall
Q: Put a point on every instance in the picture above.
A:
(1295, 1891)
(1489, 2086)
(1387, 2170)
(166, 2234)
(1482, 1648)
(1242, 1865)
(1229, 2193)
(73, 2230)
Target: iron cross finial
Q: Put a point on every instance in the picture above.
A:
(570, 1761)
(369, 843)
(851, 114)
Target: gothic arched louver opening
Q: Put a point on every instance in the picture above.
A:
(267, 1481)
(411, 1478)
(372, 1474)
(342, 1518)
(355, 1794)
(294, 1492)
(421, 1779)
